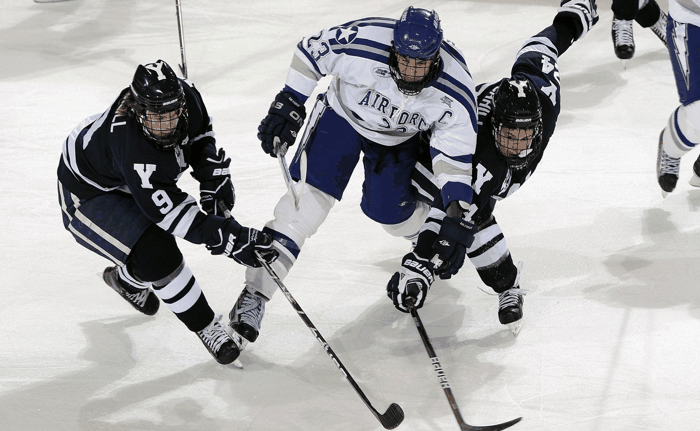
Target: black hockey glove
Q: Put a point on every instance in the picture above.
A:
(409, 285)
(240, 244)
(582, 14)
(283, 121)
(215, 184)
(450, 247)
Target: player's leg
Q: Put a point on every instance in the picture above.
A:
(682, 132)
(332, 150)
(146, 257)
(652, 17)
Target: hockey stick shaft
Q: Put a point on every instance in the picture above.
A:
(394, 414)
(281, 150)
(442, 377)
(181, 32)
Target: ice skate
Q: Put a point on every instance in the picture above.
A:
(667, 169)
(623, 39)
(144, 300)
(219, 343)
(246, 317)
(659, 28)
(510, 309)
(695, 181)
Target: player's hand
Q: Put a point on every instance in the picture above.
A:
(240, 244)
(450, 247)
(283, 121)
(408, 287)
(216, 190)
(582, 13)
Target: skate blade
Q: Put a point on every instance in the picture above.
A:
(515, 327)
(664, 194)
(695, 181)
(237, 363)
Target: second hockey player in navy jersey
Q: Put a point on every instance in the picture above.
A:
(117, 186)
(517, 117)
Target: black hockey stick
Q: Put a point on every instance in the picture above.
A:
(442, 377)
(394, 414)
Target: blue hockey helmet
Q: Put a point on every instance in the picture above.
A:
(517, 122)
(160, 104)
(414, 58)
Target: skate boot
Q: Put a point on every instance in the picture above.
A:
(623, 39)
(659, 28)
(219, 343)
(667, 168)
(695, 181)
(246, 316)
(510, 309)
(143, 300)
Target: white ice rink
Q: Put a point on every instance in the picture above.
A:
(611, 332)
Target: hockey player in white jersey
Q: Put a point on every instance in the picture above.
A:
(117, 186)
(391, 80)
(682, 133)
(517, 117)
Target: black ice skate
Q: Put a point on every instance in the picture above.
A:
(695, 181)
(510, 309)
(143, 300)
(659, 28)
(667, 169)
(219, 343)
(623, 39)
(246, 316)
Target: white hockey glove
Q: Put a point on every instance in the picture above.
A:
(583, 14)
(412, 280)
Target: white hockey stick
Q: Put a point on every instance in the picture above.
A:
(281, 151)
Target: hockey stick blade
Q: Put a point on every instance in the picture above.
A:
(392, 417)
(394, 414)
(442, 377)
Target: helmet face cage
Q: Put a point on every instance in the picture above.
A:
(414, 57)
(517, 123)
(160, 101)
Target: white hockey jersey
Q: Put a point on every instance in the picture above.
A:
(686, 11)
(362, 91)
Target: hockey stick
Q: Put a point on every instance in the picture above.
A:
(181, 32)
(281, 151)
(394, 414)
(463, 426)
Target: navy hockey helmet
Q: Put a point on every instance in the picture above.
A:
(160, 104)
(517, 122)
(414, 58)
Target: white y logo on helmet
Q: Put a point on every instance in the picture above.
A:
(157, 69)
(520, 85)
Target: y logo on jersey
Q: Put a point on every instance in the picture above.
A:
(157, 69)
(145, 171)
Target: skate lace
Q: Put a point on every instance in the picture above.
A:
(250, 310)
(138, 298)
(214, 335)
(669, 165)
(510, 297)
(623, 32)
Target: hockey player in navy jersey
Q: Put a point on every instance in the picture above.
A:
(117, 186)
(517, 116)
(391, 80)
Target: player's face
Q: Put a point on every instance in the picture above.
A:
(413, 69)
(162, 125)
(513, 142)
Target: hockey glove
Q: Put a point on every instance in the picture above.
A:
(409, 285)
(240, 244)
(450, 247)
(283, 121)
(583, 14)
(215, 184)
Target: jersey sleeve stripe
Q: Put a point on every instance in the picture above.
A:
(461, 93)
(456, 192)
(179, 219)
